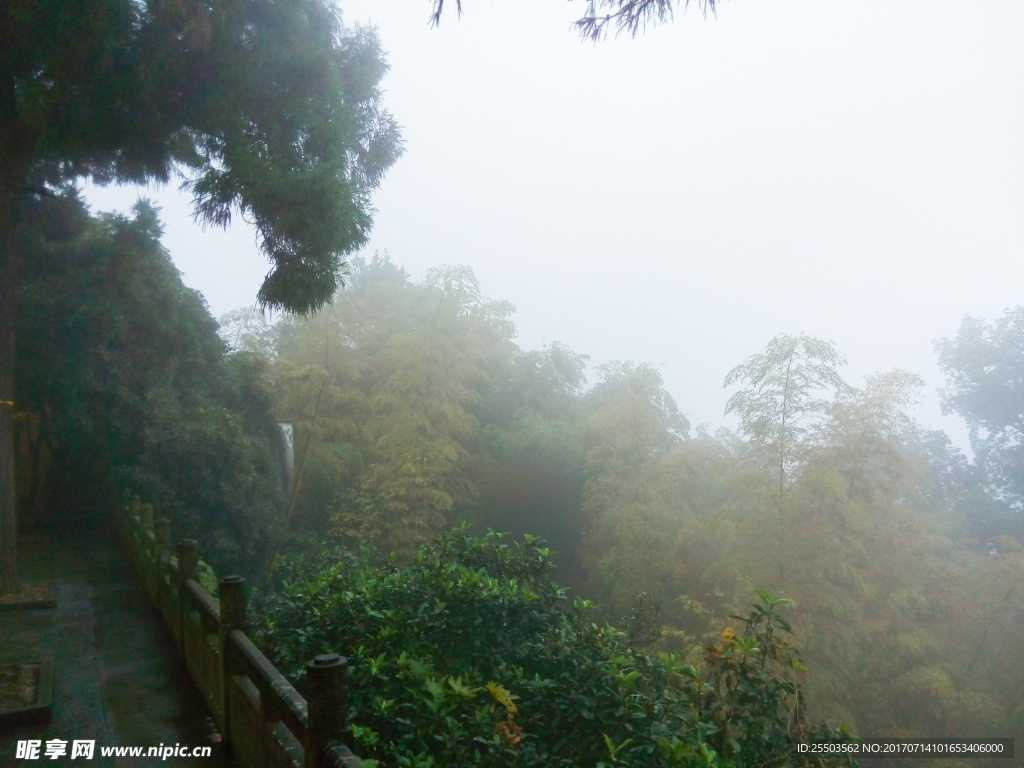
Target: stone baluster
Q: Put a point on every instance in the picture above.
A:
(162, 537)
(327, 676)
(188, 568)
(232, 617)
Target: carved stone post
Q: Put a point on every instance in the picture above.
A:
(232, 603)
(161, 554)
(162, 535)
(122, 518)
(134, 509)
(188, 568)
(327, 676)
(188, 561)
(144, 550)
(232, 617)
(147, 517)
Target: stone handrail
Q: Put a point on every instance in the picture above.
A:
(263, 720)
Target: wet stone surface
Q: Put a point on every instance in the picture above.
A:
(117, 676)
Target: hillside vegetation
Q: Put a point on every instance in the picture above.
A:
(415, 410)
(902, 557)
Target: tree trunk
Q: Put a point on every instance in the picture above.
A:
(16, 143)
(8, 503)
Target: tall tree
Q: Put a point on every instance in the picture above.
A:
(407, 366)
(122, 369)
(869, 429)
(984, 368)
(783, 403)
(631, 424)
(272, 109)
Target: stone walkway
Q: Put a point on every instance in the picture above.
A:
(117, 677)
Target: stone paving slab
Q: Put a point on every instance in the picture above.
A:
(117, 675)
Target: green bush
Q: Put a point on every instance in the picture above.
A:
(472, 655)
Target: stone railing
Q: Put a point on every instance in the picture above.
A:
(264, 721)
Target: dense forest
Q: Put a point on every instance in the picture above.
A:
(531, 559)
(895, 558)
(902, 556)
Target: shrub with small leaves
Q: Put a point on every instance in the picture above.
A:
(471, 655)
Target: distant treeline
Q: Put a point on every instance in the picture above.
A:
(420, 411)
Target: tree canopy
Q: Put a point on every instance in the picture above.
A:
(123, 378)
(787, 398)
(984, 367)
(271, 111)
(897, 551)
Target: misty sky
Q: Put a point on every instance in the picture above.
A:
(852, 170)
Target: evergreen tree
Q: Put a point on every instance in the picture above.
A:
(271, 109)
(122, 365)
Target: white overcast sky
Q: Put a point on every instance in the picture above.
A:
(849, 169)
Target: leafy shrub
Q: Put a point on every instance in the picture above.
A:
(472, 655)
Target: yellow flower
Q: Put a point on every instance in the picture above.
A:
(504, 697)
(728, 635)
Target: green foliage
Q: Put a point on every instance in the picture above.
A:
(894, 595)
(273, 108)
(631, 418)
(983, 365)
(270, 110)
(208, 579)
(130, 380)
(630, 426)
(867, 430)
(896, 551)
(472, 655)
(787, 397)
(405, 368)
(788, 393)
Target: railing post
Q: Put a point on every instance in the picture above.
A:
(134, 505)
(188, 561)
(161, 554)
(145, 528)
(146, 552)
(327, 676)
(122, 515)
(232, 616)
(134, 510)
(188, 568)
(162, 535)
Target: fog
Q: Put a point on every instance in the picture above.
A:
(849, 170)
